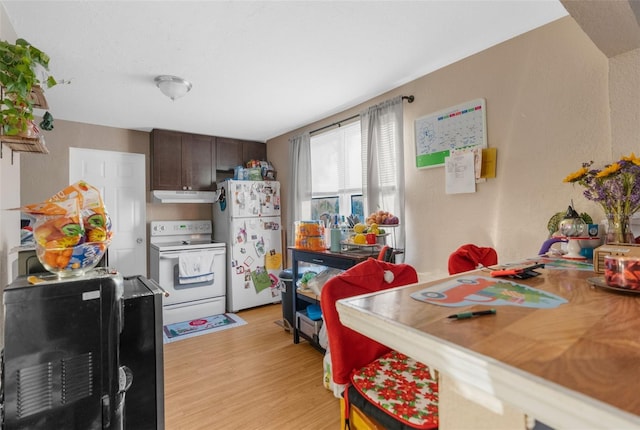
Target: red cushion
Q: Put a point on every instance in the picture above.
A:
(351, 350)
(401, 388)
(469, 256)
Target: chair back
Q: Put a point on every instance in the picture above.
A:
(351, 350)
(469, 257)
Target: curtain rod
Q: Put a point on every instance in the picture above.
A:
(409, 99)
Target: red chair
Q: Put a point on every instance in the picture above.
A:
(383, 387)
(470, 257)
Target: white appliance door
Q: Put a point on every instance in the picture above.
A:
(255, 259)
(269, 194)
(120, 177)
(195, 289)
(253, 198)
(222, 217)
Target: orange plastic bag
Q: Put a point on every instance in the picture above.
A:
(72, 229)
(96, 221)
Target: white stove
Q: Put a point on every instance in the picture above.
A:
(186, 263)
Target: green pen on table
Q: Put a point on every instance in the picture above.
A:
(465, 315)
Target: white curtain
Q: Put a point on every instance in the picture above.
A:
(383, 162)
(300, 182)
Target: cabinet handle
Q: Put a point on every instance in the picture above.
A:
(317, 260)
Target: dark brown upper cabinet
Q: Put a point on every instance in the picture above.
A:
(182, 161)
(253, 151)
(236, 152)
(228, 153)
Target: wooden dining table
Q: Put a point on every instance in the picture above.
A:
(572, 366)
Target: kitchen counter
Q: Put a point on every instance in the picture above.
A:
(573, 367)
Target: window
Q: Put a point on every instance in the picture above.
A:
(336, 179)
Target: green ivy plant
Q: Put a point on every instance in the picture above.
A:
(18, 75)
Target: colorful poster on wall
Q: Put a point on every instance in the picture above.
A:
(460, 126)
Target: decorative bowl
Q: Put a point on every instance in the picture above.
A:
(71, 261)
(622, 272)
(573, 227)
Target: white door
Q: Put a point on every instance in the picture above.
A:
(255, 263)
(120, 177)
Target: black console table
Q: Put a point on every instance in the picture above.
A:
(337, 260)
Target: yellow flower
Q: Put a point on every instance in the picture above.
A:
(608, 171)
(615, 187)
(632, 158)
(575, 176)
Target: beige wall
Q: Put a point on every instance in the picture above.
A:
(55, 166)
(547, 100)
(624, 91)
(613, 28)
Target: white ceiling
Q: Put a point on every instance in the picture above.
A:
(259, 68)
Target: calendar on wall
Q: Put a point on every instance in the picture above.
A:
(460, 126)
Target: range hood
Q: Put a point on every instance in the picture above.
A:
(164, 196)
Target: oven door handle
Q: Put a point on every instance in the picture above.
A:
(173, 255)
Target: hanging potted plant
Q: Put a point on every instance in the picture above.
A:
(20, 66)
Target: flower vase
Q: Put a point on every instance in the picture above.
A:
(619, 229)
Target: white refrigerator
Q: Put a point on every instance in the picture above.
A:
(247, 219)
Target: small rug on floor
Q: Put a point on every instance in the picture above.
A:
(199, 326)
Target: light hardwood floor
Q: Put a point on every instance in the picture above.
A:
(247, 377)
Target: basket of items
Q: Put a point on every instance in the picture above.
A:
(72, 230)
(372, 233)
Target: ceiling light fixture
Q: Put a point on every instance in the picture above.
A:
(172, 86)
